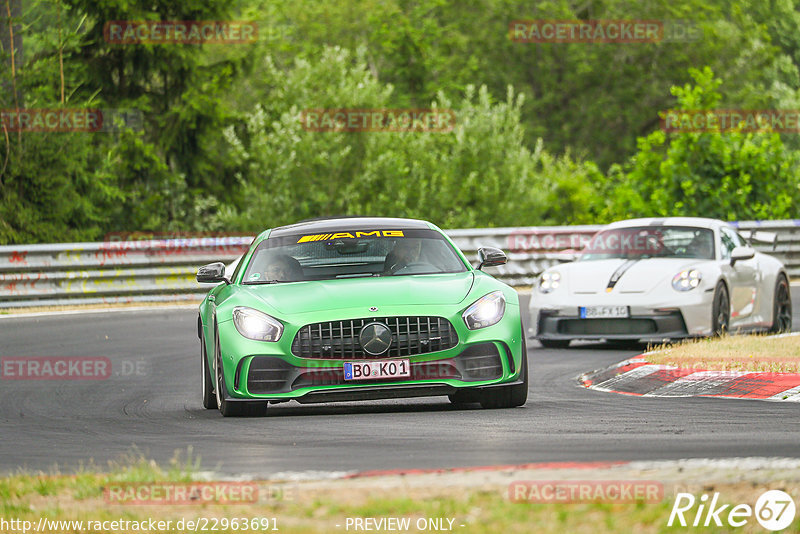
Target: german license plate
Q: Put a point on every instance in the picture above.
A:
(373, 369)
(603, 312)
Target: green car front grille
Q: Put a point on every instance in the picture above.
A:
(339, 340)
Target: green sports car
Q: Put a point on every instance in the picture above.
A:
(355, 309)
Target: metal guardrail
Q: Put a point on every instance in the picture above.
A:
(110, 272)
(164, 269)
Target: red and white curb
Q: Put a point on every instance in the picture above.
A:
(695, 470)
(637, 377)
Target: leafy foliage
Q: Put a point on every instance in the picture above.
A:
(546, 133)
(724, 175)
(481, 173)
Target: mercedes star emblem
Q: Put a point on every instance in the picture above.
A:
(375, 338)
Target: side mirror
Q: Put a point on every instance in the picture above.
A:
(212, 273)
(742, 253)
(491, 257)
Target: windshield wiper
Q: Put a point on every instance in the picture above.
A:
(357, 275)
(259, 282)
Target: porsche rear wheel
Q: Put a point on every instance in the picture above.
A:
(721, 311)
(226, 407)
(782, 307)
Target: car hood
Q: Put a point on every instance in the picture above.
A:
(641, 276)
(303, 297)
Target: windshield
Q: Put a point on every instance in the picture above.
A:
(651, 242)
(351, 254)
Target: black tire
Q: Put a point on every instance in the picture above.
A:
(226, 407)
(720, 311)
(781, 307)
(509, 396)
(554, 343)
(465, 396)
(209, 398)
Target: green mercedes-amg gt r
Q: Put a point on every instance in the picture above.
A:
(359, 308)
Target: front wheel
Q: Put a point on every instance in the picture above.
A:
(781, 307)
(226, 407)
(720, 311)
(209, 399)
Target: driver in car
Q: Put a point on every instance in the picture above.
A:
(404, 253)
(283, 269)
(701, 246)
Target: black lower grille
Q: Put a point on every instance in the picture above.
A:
(268, 375)
(664, 325)
(435, 370)
(271, 374)
(480, 362)
(339, 340)
(607, 326)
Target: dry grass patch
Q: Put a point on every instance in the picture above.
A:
(759, 353)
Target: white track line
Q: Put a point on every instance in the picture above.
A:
(792, 395)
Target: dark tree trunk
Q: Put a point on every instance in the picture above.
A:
(15, 6)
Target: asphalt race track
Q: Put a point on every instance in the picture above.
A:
(151, 404)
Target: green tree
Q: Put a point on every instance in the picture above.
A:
(480, 174)
(728, 175)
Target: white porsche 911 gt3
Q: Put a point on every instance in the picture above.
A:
(661, 279)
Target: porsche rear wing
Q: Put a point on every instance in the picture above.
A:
(761, 236)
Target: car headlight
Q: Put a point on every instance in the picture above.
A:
(549, 281)
(485, 311)
(686, 280)
(256, 325)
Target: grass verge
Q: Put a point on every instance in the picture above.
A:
(458, 502)
(758, 353)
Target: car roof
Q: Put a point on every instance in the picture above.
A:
(698, 222)
(349, 223)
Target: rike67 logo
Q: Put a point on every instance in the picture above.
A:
(774, 510)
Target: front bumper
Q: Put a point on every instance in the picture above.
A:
(650, 319)
(654, 327)
(482, 358)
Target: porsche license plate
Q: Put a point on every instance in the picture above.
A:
(372, 369)
(603, 312)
